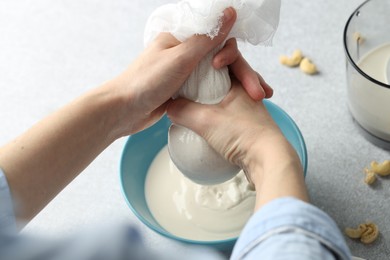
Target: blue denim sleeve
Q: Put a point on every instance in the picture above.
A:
(7, 216)
(288, 228)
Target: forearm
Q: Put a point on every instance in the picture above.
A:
(276, 171)
(42, 161)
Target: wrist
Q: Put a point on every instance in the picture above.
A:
(111, 109)
(270, 154)
(275, 170)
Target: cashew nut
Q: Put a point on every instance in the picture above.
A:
(292, 61)
(370, 176)
(353, 233)
(382, 169)
(308, 67)
(370, 234)
(367, 232)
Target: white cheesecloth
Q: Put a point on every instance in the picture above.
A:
(256, 23)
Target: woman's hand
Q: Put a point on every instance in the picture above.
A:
(163, 67)
(231, 127)
(42, 161)
(242, 130)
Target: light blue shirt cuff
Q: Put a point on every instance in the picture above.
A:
(288, 228)
(7, 215)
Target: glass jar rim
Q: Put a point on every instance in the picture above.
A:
(349, 57)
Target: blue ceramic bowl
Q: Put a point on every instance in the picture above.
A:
(141, 149)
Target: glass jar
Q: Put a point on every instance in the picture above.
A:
(367, 49)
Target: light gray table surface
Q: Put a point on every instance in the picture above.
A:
(51, 51)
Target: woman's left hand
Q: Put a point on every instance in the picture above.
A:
(158, 73)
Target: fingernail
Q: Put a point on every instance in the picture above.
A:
(228, 14)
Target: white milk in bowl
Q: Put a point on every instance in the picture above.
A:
(192, 211)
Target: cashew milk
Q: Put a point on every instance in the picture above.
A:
(370, 103)
(375, 63)
(193, 211)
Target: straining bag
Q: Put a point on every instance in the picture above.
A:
(256, 23)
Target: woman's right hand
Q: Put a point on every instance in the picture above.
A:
(232, 127)
(244, 133)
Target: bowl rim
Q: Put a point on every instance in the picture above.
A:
(349, 57)
(165, 233)
(302, 143)
(161, 230)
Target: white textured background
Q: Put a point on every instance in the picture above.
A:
(51, 51)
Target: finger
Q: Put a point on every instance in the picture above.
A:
(159, 112)
(267, 88)
(151, 118)
(187, 113)
(227, 55)
(200, 45)
(165, 40)
(248, 78)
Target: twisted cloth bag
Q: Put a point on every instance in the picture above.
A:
(256, 23)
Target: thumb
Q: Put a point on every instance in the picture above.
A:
(188, 114)
(200, 45)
